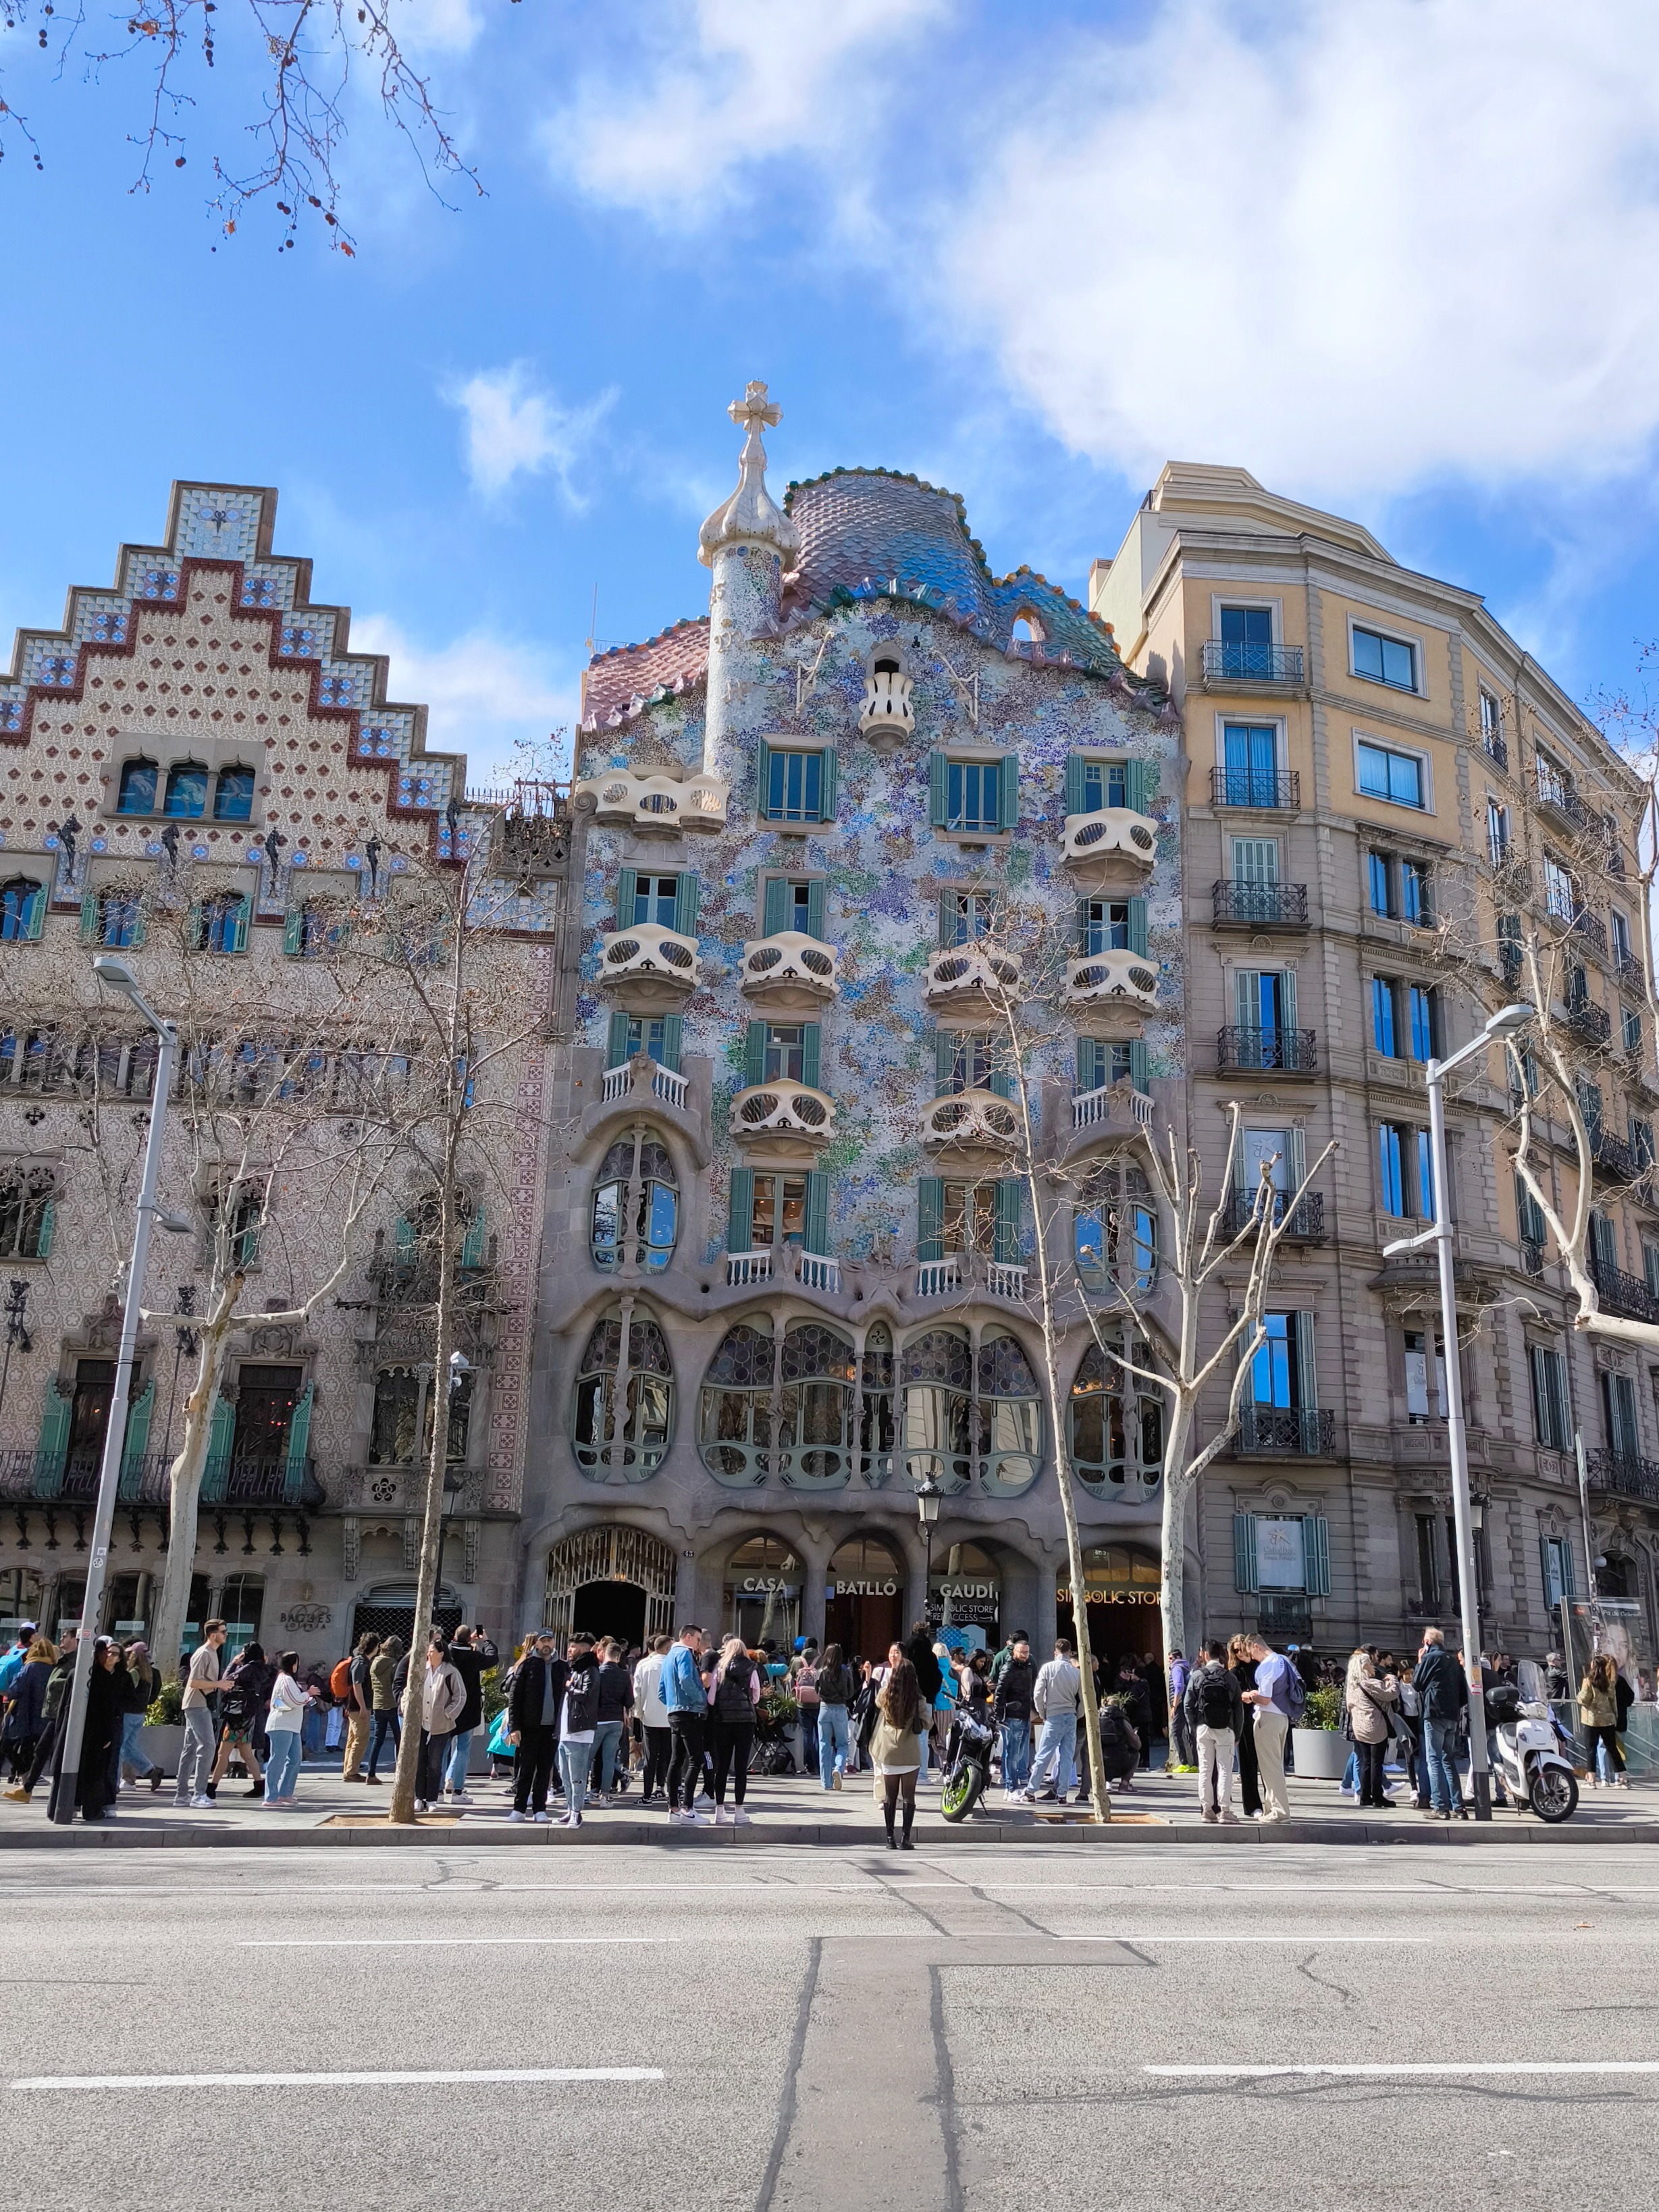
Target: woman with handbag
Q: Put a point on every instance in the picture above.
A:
(1370, 1706)
(896, 1747)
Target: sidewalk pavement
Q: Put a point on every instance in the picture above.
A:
(793, 1809)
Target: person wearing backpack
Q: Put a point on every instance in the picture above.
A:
(734, 1699)
(1213, 1711)
(1278, 1698)
(351, 1684)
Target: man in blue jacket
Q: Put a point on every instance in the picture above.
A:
(687, 1701)
(1443, 1693)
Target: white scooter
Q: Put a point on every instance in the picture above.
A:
(1533, 1765)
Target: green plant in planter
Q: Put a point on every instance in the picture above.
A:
(494, 1696)
(1323, 1709)
(166, 1710)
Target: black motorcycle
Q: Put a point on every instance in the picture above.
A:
(967, 1766)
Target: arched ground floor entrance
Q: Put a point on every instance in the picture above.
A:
(762, 1592)
(864, 1598)
(611, 1581)
(1123, 1583)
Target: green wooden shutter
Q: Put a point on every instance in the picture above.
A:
(1074, 783)
(628, 882)
(817, 1238)
(239, 934)
(1008, 793)
(294, 933)
(1003, 1080)
(140, 925)
(616, 1044)
(48, 1224)
(220, 1437)
(673, 1041)
(762, 775)
(829, 784)
(930, 1217)
(135, 1443)
(52, 1443)
(1138, 927)
(947, 921)
(403, 1242)
(1141, 784)
(754, 1052)
(1009, 1196)
(944, 1060)
(299, 1442)
(1307, 1373)
(34, 914)
(939, 790)
(1081, 941)
(1244, 1551)
(1091, 1064)
(197, 940)
(775, 914)
(688, 896)
(475, 1245)
(815, 904)
(1316, 1554)
(811, 1053)
(88, 917)
(740, 1213)
(1140, 1063)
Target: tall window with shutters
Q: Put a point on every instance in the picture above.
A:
(974, 798)
(797, 785)
(793, 902)
(1094, 783)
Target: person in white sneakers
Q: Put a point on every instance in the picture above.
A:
(654, 1719)
(201, 1724)
(1213, 1710)
(1056, 1700)
(734, 1703)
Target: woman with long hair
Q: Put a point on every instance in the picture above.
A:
(733, 1699)
(1369, 1700)
(1598, 1715)
(1242, 1667)
(284, 1720)
(896, 1747)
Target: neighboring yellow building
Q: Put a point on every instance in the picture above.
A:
(1384, 793)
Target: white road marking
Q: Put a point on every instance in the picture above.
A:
(405, 1942)
(335, 2080)
(1304, 1936)
(1473, 2066)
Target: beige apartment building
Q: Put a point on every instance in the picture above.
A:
(1385, 795)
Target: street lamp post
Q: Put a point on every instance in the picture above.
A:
(927, 1496)
(118, 977)
(1505, 1023)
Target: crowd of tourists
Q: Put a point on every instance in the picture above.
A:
(687, 1718)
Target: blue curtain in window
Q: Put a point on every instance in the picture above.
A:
(1383, 1035)
(1250, 753)
(1391, 1169)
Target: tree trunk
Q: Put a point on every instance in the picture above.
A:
(185, 1491)
(1172, 1599)
(404, 1789)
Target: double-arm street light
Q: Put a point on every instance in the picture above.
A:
(118, 977)
(1507, 1022)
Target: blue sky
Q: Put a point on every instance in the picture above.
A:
(1401, 260)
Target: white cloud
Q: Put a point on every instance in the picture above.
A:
(513, 428)
(446, 27)
(483, 693)
(721, 85)
(1375, 246)
(1356, 249)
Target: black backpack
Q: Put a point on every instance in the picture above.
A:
(1215, 1703)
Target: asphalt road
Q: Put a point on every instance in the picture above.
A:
(843, 2030)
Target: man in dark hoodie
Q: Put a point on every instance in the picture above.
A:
(1213, 1707)
(532, 1727)
(468, 1663)
(1012, 1710)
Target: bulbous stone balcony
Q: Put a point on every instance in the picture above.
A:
(649, 969)
(1110, 994)
(971, 1121)
(783, 1123)
(625, 798)
(1111, 850)
(888, 712)
(790, 972)
(972, 980)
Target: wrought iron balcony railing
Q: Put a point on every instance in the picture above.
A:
(58, 1479)
(1283, 1052)
(1256, 787)
(1627, 1296)
(1614, 1156)
(1308, 1431)
(1588, 1021)
(1494, 748)
(1226, 662)
(1307, 1222)
(1627, 1473)
(1259, 906)
(1556, 796)
(1630, 970)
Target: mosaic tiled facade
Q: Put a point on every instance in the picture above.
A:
(205, 713)
(807, 776)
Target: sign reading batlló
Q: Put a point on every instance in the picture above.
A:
(869, 1586)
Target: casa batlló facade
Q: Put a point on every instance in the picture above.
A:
(787, 1276)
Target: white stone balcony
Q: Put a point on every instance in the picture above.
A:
(790, 972)
(649, 969)
(1110, 994)
(624, 799)
(972, 980)
(888, 711)
(785, 1119)
(944, 1279)
(1111, 850)
(661, 1083)
(1111, 1101)
(812, 1270)
(970, 1120)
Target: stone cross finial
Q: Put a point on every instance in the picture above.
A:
(755, 411)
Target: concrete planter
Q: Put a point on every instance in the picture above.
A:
(161, 1745)
(1319, 1755)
